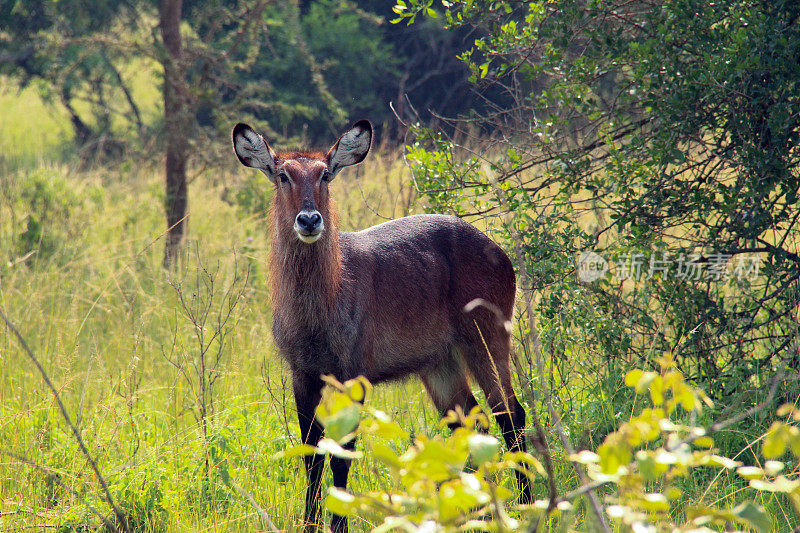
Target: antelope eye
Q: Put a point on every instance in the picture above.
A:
(326, 175)
(284, 177)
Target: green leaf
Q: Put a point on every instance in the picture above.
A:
(340, 416)
(482, 447)
(294, 451)
(527, 461)
(677, 156)
(334, 448)
(385, 454)
(382, 426)
(647, 465)
(341, 502)
(775, 441)
(458, 496)
(755, 516)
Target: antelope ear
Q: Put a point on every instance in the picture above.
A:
(351, 148)
(253, 151)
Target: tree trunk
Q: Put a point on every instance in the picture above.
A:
(176, 124)
(83, 133)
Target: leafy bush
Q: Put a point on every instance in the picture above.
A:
(141, 500)
(318, 69)
(253, 196)
(38, 205)
(456, 482)
(662, 137)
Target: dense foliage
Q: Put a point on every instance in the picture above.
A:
(638, 159)
(47, 41)
(302, 69)
(662, 136)
(646, 177)
(455, 483)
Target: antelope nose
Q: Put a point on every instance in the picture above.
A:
(309, 222)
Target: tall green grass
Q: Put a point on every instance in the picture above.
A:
(103, 317)
(31, 129)
(105, 320)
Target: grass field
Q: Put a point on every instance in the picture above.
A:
(183, 440)
(106, 322)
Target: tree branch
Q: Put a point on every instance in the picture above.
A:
(65, 415)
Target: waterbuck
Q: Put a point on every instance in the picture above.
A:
(386, 302)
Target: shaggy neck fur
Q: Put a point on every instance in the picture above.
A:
(305, 277)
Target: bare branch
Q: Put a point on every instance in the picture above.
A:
(109, 499)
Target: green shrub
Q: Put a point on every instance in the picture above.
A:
(639, 468)
(141, 500)
(38, 204)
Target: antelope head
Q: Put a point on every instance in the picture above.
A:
(301, 179)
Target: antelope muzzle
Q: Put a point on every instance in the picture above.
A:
(308, 226)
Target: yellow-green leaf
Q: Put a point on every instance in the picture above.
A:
(482, 447)
(613, 455)
(294, 451)
(357, 388)
(724, 462)
(750, 472)
(341, 502)
(775, 441)
(654, 502)
(755, 516)
(340, 416)
(773, 468)
(633, 377)
(385, 454)
(387, 430)
(704, 442)
(657, 390)
(584, 457)
(794, 442)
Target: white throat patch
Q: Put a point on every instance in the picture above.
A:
(308, 239)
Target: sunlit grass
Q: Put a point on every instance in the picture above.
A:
(100, 313)
(30, 128)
